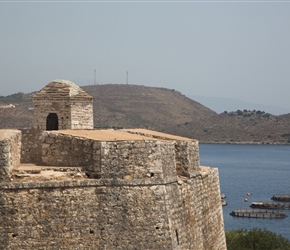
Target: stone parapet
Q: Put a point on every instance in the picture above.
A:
(138, 159)
(186, 150)
(131, 159)
(66, 150)
(187, 157)
(31, 149)
(10, 144)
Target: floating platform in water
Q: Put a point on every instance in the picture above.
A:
(258, 213)
(270, 205)
(281, 197)
(224, 202)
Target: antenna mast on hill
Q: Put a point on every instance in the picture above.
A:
(94, 77)
(127, 79)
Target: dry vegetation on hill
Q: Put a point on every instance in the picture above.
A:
(132, 106)
(165, 110)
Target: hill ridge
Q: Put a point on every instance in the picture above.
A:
(165, 110)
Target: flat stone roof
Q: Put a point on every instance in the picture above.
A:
(158, 134)
(122, 135)
(105, 135)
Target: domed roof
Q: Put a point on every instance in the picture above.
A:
(61, 89)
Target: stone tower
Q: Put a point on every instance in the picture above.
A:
(62, 104)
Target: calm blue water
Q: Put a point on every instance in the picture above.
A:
(262, 170)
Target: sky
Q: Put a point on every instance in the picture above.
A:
(226, 49)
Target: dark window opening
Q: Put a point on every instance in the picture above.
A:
(52, 121)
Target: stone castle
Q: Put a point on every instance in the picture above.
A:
(65, 185)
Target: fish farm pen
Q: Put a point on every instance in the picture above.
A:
(270, 205)
(258, 213)
(281, 197)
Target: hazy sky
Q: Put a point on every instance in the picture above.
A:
(232, 49)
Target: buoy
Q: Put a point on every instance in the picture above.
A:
(248, 194)
(245, 200)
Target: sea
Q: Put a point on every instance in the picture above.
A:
(252, 172)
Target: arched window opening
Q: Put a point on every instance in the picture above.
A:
(52, 121)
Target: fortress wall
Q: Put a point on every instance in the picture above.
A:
(111, 159)
(113, 214)
(67, 150)
(202, 201)
(186, 151)
(139, 202)
(84, 217)
(138, 159)
(187, 157)
(10, 146)
(195, 212)
(168, 159)
(31, 146)
(82, 114)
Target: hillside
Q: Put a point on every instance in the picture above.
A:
(132, 106)
(234, 127)
(165, 110)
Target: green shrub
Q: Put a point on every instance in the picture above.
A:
(239, 112)
(14, 98)
(255, 239)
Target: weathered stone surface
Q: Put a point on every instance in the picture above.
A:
(32, 140)
(114, 215)
(72, 107)
(140, 193)
(10, 144)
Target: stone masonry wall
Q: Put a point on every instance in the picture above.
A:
(84, 217)
(31, 144)
(186, 152)
(82, 114)
(147, 194)
(72, 114)
(118, 159)
(187, 157)
(66, 150)
(44, 106)
(138, 159)
(203, 211)
(10, 144)
(113, 214)
(121, 159)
